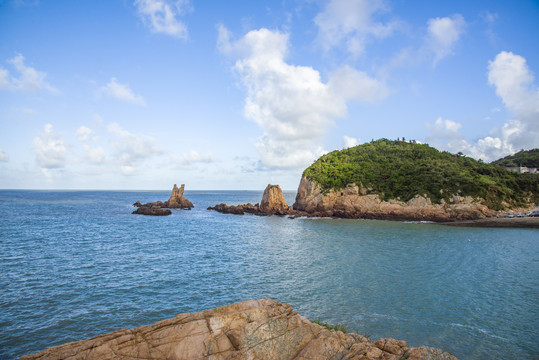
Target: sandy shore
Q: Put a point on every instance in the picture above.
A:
(524, 222)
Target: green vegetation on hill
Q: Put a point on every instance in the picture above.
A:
(527, 158)
(401, 170)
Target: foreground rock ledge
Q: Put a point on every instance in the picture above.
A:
(255, 329)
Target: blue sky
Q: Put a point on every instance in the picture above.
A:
(235, 95)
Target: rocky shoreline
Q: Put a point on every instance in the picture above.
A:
(255, 329)
(498, 222)
(353, 202)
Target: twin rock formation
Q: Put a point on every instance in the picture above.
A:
(159, 208)
(256, 330)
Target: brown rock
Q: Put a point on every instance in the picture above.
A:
(177, 201)
(354, 202)
(151, 210)
(273, 200)
(273, 203)
(263, 329)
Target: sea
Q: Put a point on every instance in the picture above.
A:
(76, 264)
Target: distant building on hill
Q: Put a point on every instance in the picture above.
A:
(521, 169)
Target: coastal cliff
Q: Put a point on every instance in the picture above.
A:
(256, 330)
(354, 202)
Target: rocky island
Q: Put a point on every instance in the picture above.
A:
(159, 208)
(256, 329)
(402, 180)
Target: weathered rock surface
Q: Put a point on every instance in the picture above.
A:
(273, 200)
(159, 208)
(177, 201)
(273, 203)
(354, 202)
(263, 329)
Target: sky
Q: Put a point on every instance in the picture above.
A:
(136, 95)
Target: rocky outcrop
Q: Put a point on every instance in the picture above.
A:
(354, 202)
(237, 209)
(273, 203)
(159, 208)
(263, 329)
(273, 200)
(154, 209)
(177, 201)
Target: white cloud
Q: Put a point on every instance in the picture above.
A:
(50, 149)
(121, 92)
(514, 84)
(95, 155)
(193, 157)
(162, 16)
(443, 34)
(445, 128)
(349, 141)
(83, 133)
(445, 135)
(291, 103)
(131, 149)
(28, 79)
(3, 156)
(350, 22)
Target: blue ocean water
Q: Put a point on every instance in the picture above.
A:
(75, 264)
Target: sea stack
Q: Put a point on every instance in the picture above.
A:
(273, 201)
(177, 201)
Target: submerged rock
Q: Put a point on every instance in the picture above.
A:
(154, 211)
(159, 208)
(257, 330)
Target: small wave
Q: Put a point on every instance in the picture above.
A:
(419, 222)
(478, 329)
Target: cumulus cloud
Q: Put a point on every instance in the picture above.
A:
(162, 16)
(349, 141)
(28, 79)
(443, 34)
(445, 129)
(3, 156)
(291, 103)
(130, 149)
(350, 23)
(95, 155)
(83, 133)
(121, 92)
(50, 149)
(514, 84)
